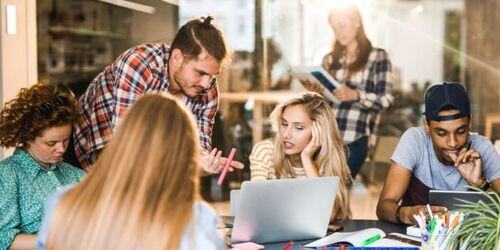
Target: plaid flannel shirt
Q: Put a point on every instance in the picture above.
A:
(139, 70)
(374, 85)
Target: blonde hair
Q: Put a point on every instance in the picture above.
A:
(141, 191)
(331, 158)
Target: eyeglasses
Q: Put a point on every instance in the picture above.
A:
(47, 107)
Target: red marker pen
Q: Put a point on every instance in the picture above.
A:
(226, 167)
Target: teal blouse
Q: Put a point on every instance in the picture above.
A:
(24, 187)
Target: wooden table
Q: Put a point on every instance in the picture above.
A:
(259, 98)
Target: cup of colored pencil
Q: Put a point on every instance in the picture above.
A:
(436, 229)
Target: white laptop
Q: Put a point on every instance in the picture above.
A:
(283, 210)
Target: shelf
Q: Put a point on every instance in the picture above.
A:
(76, 71)
(60, 30)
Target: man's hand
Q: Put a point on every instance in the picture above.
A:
(213, 162)
(406, 213)
(346, 94)
(469, 165)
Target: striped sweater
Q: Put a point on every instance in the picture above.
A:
(261, 162)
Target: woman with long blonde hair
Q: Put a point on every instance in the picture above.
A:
(306, 144)
(142, 193)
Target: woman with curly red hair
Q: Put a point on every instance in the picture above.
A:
(38, 124)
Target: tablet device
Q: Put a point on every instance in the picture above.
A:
(453, 199)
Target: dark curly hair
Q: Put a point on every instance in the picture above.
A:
(35, 109)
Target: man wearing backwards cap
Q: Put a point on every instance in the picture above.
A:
(442, 154)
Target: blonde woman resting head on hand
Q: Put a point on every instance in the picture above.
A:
(142, 193)
(306, 144)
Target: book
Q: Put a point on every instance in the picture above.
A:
(413, 231)
(369, 237)
(319, 76)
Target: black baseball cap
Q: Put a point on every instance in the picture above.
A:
(446, 94)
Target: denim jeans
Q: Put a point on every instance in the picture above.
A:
(358, 150)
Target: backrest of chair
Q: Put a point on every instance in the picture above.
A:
(384, 148)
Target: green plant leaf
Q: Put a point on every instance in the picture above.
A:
(480, 228)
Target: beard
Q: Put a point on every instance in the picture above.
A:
(183, 86)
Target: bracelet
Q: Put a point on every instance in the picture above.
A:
(398, 219)
(482, 183)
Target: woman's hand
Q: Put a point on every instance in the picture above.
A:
(308, 152)
(24, 241)
(314, 144)
(314, 87)
(346, 94)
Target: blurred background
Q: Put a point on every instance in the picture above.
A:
(68, 42)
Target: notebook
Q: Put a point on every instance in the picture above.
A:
(413, 231)
(369, 237)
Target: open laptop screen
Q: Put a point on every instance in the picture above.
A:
(283, 210)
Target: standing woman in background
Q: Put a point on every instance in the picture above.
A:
(37, 123)
(142, 192)
(365, 74)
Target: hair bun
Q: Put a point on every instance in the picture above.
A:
(208, 20)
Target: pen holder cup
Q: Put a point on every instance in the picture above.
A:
(434, 241)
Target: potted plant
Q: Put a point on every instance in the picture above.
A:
(480, 228)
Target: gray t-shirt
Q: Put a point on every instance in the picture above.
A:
(416, 153)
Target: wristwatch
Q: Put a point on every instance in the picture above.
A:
(485, 184)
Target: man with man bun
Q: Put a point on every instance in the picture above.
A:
(186, 69)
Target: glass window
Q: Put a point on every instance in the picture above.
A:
(77, 39)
